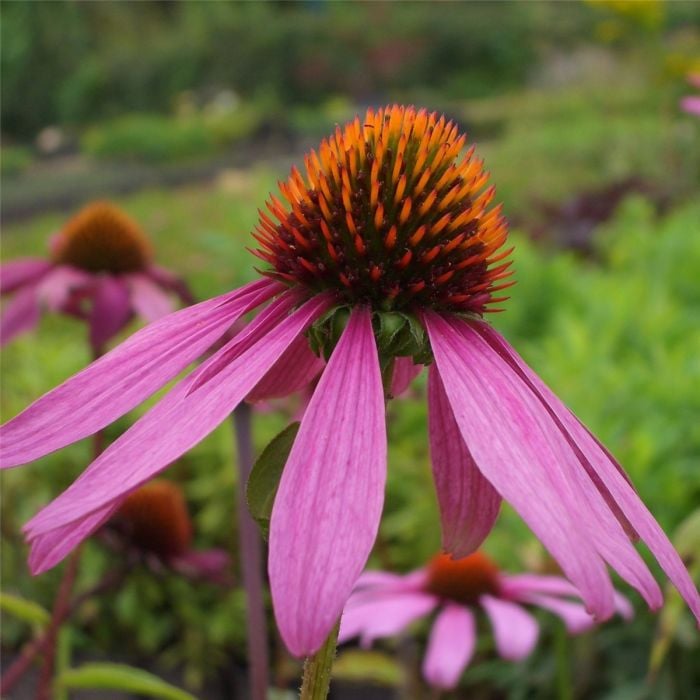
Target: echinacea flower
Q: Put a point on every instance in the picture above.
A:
(154, 523)
(387, 252)
(384, 604)
(100, 269)
(691, 103)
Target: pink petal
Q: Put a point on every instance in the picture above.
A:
(450, 647)
(19, 315)
(124, 377)
(174, 425)
(515, 630)
(148, 300)
(691, 105)
(210, 565)
(327, 510)
(17, 273)
(599, 464)
(534, 583)
(469, 505)
(574, 615)
(111, 309)
(404, 373)
(590, 503)
(297, 368)
(385, 580)
(169, 280)
(384, 616)
(56, 287)
(499, 422)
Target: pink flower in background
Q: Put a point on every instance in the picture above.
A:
(691, 104)
(100, 270)
(386, 255)
(456, 590)
(154, 522)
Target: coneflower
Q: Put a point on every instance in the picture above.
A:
(100, 269)
(386, 251)
(154, 522)
(457, 590)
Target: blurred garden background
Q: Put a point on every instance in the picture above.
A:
(186, 114)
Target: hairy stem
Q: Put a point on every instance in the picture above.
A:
(251, 547)
(317, 669)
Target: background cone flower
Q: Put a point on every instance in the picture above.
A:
(388, 248)
(100, 270)
(385, 604)
(154, 521)
(691, 103)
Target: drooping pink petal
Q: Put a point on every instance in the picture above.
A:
(469, 505)
(57, 286)
(48, 549)
(500, 426)
(515, 631)
(124, 377)
(691, 105)
(111, 309)
(516, 584)
(327, 510)
(17, 273)
(383, 615)
(405, 371)
(19, 315)
(168, 280)
(450, 647)
(573, 615)
(387, 581)
(148, 299)
(598, 463)
(210, 565)
(174, 425)
(586, 500)
(297, 367)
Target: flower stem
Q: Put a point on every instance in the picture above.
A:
(564, 684)
(250, 544)
(317, 669)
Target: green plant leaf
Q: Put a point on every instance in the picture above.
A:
(265, 476)
(108, 676)
(25, 610)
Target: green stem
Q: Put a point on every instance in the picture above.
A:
(565, 689)
(317, 669)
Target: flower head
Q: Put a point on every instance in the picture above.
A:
(154, 522)
(496, 430)
(384, 604)
(691, 103)
(391, 214)
(102, 238)
(100, 270)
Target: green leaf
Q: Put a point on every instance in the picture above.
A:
(368, 666)
(265, 476)
(26, 610)
(108, 676)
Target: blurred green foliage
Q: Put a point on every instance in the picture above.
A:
(72, 63)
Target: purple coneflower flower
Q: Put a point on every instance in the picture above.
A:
(386, 251)
(154, 523)
(384, 604)
(100, 270)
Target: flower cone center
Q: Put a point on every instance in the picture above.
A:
(102, 238)
(155, 519)
(462, 580)
(391, 213)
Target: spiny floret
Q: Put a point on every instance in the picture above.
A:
(462, 580)
(389, 214)
(155, 519)
(102, 238)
